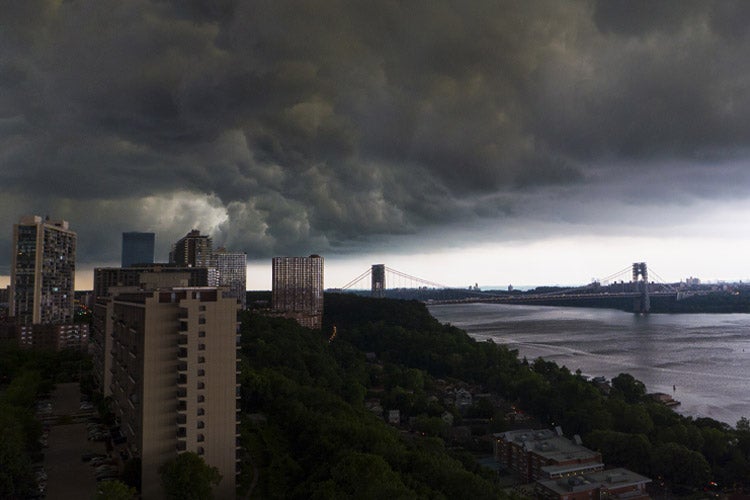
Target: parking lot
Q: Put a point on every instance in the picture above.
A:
(67, 476)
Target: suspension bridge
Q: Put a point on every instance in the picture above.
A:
(638, 287)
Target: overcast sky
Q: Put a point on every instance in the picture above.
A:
(490, 142)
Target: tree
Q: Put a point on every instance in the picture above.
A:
(114, 490)
(188, 477)
(131, 473)
(632, 390)
(621, 449)
(680, 465)
(743, 424)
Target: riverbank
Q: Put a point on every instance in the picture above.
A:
(702, 360)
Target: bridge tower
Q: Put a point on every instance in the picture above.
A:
(642, 303)
(378, 280)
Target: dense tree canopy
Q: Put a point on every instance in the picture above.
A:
(187, 477)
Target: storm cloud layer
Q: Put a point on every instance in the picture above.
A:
(288, 127)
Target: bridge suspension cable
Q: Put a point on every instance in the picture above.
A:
(356, 280)
(611, 277)
(661, 280)
(415, 279)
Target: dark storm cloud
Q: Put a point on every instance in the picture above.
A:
(292, 127)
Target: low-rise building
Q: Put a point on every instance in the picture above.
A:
(614, 483)
(527, 452)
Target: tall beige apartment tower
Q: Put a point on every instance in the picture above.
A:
(173, 377)
(298, 289)
(42, 274)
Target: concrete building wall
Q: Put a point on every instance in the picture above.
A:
(175, 379)
(148, 277)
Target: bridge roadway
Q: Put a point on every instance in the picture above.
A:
(543, 297)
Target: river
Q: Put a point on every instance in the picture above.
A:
(703, 360)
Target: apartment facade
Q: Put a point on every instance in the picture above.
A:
(74, 336)
(192, 250)
(298, 289)
(168, 358)
(42, 280)
(231, 273)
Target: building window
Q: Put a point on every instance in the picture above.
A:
(201, 438)
(201, 359)
(201, 398)
(201, 424)
(201, 412)
(201, 321)
(201, 372)
(200, 450)
(201, 385)
(201, 347)
(201, 334)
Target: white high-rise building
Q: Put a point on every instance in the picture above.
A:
(42, 275)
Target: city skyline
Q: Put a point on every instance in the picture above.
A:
(525, 143)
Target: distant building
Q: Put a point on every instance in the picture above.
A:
(153, 276)
(231, 272)
(613, 483)
(530, 453)
(192, 250)
(137, 248)
(42, 275)
(298, 289)
(168, 359)
(53, 337)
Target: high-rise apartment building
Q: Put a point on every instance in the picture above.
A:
(168, 358)
(231, 272)
(137, 248)
(193, 250)
(42, 275)
(298, 289)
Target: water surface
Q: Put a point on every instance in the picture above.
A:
(703, 360)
